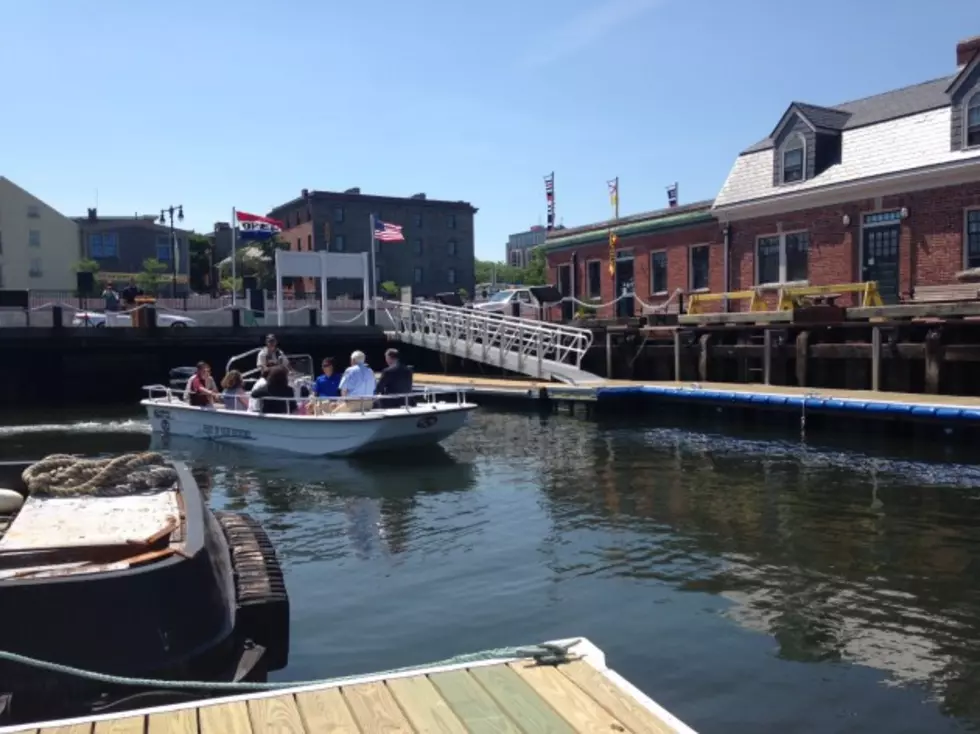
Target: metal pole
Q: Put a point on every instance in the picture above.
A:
(173, 252)
(234, 238)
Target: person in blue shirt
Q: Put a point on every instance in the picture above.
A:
(327, 385)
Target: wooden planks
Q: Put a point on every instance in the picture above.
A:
(515, 698)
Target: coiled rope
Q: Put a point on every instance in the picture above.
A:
(546, 653)
(66, 475)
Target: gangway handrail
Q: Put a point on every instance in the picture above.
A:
(536, 348)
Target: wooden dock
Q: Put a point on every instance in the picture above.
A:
(517, 696)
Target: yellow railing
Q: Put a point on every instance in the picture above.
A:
(789, 296)
(755, 299)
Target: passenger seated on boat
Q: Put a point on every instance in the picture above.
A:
(271, 356)
(396, 379)
(357, 385)
(327, 385)
(276, 396)
(234, 395)
(201, 390)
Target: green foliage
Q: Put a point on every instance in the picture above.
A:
(463, 293)
(262, 267)
(85, 265)
(228, 284)
(536, 272)
(199, 265)
(390, 288)
(153, 277)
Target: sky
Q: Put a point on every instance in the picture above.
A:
(211, 104)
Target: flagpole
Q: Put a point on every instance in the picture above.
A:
(234, 270)
(374, 272)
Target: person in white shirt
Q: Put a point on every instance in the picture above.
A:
(271, 356)
(357, 385)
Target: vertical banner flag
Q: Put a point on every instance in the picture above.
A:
(549, 195)
(672, 196)
(613, 239)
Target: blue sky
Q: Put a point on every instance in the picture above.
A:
(218, 104)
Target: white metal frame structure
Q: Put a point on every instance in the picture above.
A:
(320, 265)
(535, 348)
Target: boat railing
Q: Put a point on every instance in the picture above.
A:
(299, 363)
(323, 406)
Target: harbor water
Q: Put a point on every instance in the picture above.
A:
(746, 581)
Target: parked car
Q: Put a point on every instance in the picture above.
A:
(503, 302)
(94, 318)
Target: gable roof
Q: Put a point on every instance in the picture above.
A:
(967, 69)
(873, 110)
(820, 118)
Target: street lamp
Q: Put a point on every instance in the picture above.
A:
(164, 214)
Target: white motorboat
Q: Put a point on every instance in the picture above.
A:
(422, 420)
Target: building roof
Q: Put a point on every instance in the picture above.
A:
(348, 196)
(635, 224)
(873, 110)
(903, 131)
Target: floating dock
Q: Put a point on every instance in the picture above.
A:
(944, 410)
(577, 693)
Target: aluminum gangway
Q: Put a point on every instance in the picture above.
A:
(535, 348)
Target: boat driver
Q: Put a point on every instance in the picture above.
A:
(271, 356)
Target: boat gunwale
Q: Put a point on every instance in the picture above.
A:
(580, 647)
(374, 414)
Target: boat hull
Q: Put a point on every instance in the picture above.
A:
(175, 618)
(346, 435)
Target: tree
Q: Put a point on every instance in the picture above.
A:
(257, 259)
(153, 277)
(86, 265)
(390, 288)
(199, 263)
(464, 294)
(536, 272)
(484, 271)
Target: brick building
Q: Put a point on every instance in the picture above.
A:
(885, 188)
(657, 253)
(437, 255)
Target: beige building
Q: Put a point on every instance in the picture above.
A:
(39, 247)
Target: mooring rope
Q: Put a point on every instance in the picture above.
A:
(546, 653)
(64, 475)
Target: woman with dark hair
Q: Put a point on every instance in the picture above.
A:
(277, 387)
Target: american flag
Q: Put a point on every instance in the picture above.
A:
(385, 232)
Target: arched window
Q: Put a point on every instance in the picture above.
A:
(794, 158)
(973, 121)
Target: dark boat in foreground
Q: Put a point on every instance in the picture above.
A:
(134, 580)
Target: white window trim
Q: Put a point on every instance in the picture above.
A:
(973, 98)
(966, 235)
(588, 280)
(790, 145)
(690, 269)
(782, 282)
(657, 252)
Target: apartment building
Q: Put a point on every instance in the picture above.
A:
(38, 245)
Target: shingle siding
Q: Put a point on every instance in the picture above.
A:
(966, 88)
(795, 126)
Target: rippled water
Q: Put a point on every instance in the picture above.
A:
(747, 583)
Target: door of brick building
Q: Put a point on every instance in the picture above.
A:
(625, 307)
(880, 253)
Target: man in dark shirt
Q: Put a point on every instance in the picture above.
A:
(130, 293)
(396, 379)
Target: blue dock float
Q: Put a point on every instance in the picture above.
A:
(813, 401)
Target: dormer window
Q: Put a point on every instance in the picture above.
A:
(794, 157)
(973, 121)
